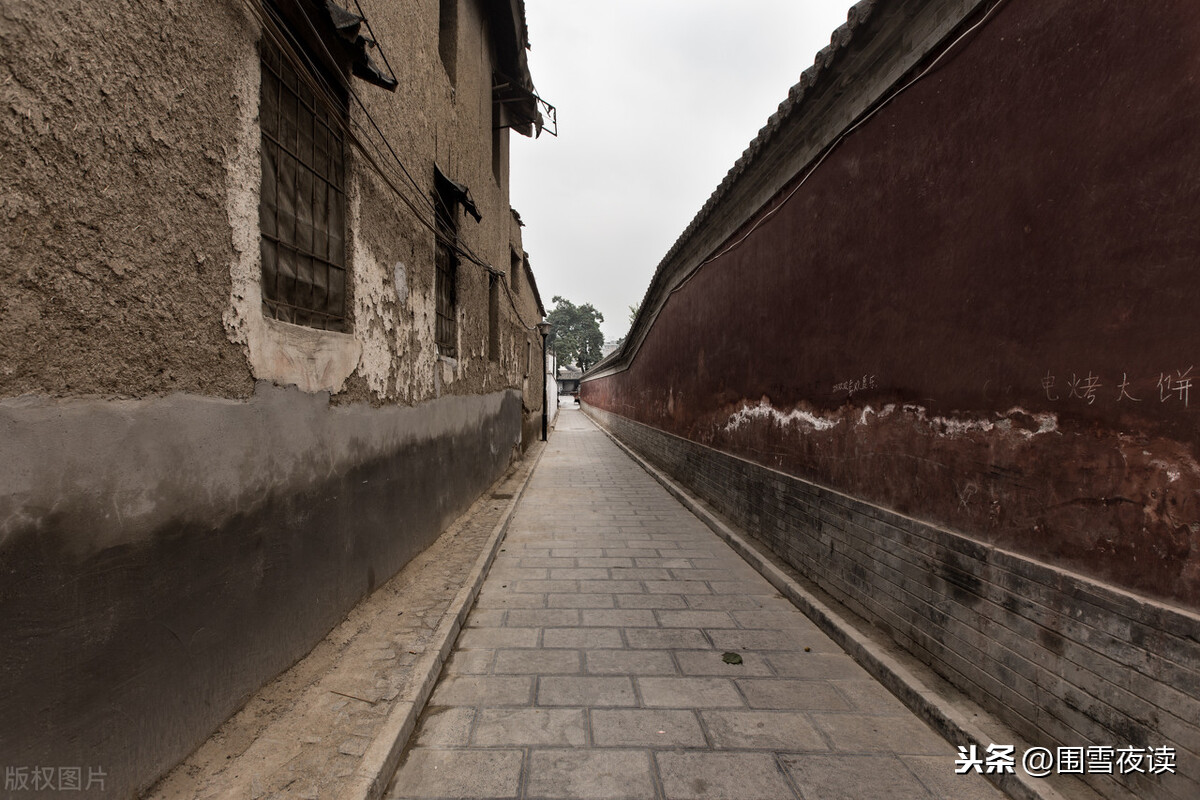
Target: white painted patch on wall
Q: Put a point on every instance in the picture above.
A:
(449, 367)
(1047, 423)
(958, 427)
(424, 356)
(951, 426)
(400, 281)
(1173, 473)
(374, 314)
(765, 411)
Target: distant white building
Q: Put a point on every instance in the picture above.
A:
(610, 346)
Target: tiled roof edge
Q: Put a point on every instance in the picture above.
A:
(857, 15)
(841, 37)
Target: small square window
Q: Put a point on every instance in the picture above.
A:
(493, 316)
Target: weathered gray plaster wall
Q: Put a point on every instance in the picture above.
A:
(115, 252)
(130, 173)
(161, 559)
(175, 528)
(390, 355)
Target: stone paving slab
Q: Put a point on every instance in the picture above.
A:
(593, 666)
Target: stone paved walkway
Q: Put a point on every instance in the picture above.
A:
(592, 666)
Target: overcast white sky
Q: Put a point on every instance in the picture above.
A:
(656, 100)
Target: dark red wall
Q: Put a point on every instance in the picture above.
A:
(1028, 212)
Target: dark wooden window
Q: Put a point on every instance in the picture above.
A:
(493, 316)
(446, 277)
(514, 271)
(497, 141)
(302, 207)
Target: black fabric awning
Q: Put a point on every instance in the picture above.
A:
(455, 191)
(523, 106)
(356, 44)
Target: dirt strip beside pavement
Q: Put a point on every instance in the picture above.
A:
(334, 724)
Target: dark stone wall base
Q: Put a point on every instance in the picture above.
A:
(160, 560)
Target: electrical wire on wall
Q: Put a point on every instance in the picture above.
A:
(307, 70)
(375, 40)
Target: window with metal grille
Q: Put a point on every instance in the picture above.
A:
(493, 316)
(302, 208)
(446, 278)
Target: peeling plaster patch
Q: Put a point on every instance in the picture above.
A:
(400, 280)
(375, 314)
(957, 427)
(449, 369)
(948, 426)
(764, 410)
(1173, 473)
(1047, 422)
(244, 172)
(312, 360)
(423, 350)
(862, 420)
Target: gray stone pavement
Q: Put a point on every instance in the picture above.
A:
(592, 666)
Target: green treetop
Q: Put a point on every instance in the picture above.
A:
(576, 337)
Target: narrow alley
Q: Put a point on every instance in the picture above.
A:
(811, 420)
(595, 665)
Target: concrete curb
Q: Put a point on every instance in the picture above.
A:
(382, 757)
(950, 723)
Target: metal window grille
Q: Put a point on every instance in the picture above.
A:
(445, 286)
(493, 317)
(302, 210)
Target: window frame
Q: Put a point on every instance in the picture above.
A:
(302, 190)
(493, 316)
(445, 264)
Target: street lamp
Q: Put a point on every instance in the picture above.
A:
(544, 329)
